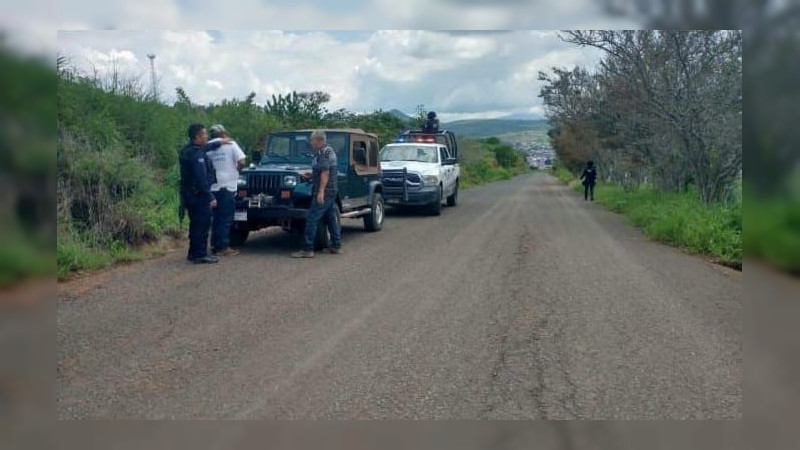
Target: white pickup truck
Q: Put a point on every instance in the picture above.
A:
(419, 173)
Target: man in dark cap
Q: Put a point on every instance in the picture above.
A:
(431, 124)
(197, 175)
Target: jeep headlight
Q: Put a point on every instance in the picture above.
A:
(241, 183)
(290, 181)
(430, 180)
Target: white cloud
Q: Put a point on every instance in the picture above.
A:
(31, 24)
(354, 14)
(462, 73)
(214, 84)
(458, 74)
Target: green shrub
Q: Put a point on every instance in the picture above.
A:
(682, 219)
(773, 230)
(678, 218)
(75, 252)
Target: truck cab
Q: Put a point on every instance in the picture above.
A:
(272, 191)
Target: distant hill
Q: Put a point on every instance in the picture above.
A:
(479, 128)
(400, 114)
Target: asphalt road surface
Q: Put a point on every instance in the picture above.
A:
(523, 302)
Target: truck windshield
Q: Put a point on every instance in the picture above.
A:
(409, 152)
(294, 148)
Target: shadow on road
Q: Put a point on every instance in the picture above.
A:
(275, 241)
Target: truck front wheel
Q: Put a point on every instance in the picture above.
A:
(435, 208)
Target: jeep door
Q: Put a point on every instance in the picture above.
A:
(338, 141)
(357, 173)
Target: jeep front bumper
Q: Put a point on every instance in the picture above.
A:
(266, 214)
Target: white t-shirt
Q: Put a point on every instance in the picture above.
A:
(225, 159)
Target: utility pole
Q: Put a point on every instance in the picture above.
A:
(154, 93)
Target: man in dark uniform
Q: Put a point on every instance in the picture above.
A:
(196, 179)
(431, 124)
(323, 197)
(589, 177)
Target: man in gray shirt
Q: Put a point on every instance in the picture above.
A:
(323, 197)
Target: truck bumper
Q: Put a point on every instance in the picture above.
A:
(421, 196)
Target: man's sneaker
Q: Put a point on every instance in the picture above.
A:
(303, 254)
(334, 250)
(228, 252)
(208, 259)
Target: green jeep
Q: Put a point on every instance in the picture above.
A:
(272, 192)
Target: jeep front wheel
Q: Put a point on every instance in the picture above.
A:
(374, 220)
(237, 236)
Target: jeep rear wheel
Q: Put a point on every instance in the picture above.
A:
(374, 220)
(435, 208)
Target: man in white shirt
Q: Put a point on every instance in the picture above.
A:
(228, 160)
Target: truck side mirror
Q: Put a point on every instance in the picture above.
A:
(256, 156)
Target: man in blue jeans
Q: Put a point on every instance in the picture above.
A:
(323, 197)
(228, 160)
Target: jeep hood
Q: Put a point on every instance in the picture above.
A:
(280, 167)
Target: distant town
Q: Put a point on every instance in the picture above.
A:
(536, 146)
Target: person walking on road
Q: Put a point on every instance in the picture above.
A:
(197, 175)
(589, 177)
(228, 160)
(323, 194)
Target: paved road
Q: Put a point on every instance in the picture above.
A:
(524, 302)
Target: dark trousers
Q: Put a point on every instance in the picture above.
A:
(199, 209)
(588, 191)
(327, 213)
(222, 218)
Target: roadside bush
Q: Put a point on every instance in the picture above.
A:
(678, 218)
(682, 219)
(773, 230)
(563, 174)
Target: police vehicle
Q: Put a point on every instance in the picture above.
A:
(421, 169)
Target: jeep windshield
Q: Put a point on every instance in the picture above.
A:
(295, 148)
(408, 152)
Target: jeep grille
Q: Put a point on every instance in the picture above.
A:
(267, 183)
